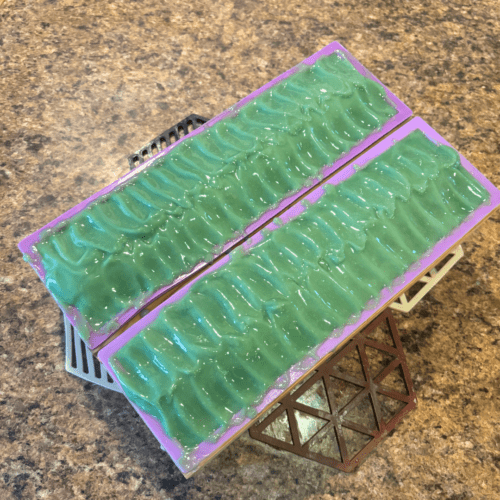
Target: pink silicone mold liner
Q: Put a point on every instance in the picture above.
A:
(96, 338)
(189, 463)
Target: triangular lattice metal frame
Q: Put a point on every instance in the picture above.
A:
(371, 385)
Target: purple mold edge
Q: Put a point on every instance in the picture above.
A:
(96, 338)
(387, 295)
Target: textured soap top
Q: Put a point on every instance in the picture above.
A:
(216, 351)
(128, 244)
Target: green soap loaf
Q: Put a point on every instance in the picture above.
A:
(219, 348)
(171, 216)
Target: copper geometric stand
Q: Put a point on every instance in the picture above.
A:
(348, 405)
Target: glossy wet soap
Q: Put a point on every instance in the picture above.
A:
(216, 351)
(173, 215)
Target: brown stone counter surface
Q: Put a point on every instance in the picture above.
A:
(85, 82)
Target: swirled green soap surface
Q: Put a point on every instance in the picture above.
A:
(218, 349)
(210, 187)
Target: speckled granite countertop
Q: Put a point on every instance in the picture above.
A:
(84, 83)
